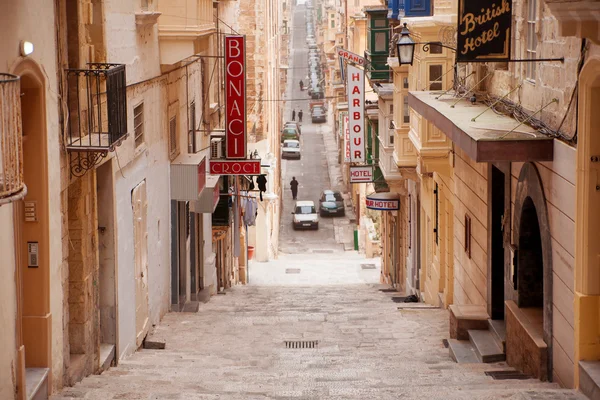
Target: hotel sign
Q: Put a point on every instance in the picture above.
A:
(233, 167)
(386, 201)
(349, 56)
(235, 97)
(484, 30)
(356, 113)
(361, 174)
(346, 137)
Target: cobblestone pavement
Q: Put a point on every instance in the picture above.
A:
(233, 348)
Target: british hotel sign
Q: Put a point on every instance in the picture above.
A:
(356, 113)
(484, 30)
(235, 97)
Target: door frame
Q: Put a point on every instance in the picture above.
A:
(493, 312)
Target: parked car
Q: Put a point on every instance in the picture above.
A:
(291, 149)
(305, 215)
(331, 203)
(317, 93)
(289, 134)
(318, 115)
(293, 124)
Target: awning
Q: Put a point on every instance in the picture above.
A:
(188, 176)
(209, 198)
(486, 139)
(383, 201)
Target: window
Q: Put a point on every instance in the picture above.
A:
(435, 48)
(391, 108)
(468, 235)
(435, 77)
(173, 136)
(531, 39)
(405, 82)
(405, 110)
(381, 41)
(138, 124)
(333, 23)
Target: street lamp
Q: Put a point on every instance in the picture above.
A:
(406, 47)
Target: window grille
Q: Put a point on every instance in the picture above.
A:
(173, 136)
(138, 124)
(531, 39)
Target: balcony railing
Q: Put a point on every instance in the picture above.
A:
(12, 185)
(97, 100)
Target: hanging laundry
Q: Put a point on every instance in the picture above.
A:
(250, 212)
(261, 181)
(251, 187)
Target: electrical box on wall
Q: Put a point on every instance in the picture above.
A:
(32, 254)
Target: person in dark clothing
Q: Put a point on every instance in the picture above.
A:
(293, 114)
(294, 187)
(261, 181)
(300, 116)
(301, 85)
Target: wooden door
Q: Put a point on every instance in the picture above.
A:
(140, 235)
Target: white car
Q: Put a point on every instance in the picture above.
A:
(291, 149)
(305, 215)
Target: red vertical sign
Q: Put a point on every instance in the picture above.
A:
(235, 97)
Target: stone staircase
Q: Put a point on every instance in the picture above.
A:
(485, 346)
(474, 337)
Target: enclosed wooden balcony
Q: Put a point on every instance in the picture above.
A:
(12, 185)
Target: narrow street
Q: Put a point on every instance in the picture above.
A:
(365, 345)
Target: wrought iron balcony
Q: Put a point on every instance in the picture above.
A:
(97, 101)
(12, 185)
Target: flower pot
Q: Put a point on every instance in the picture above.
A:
(250, 252)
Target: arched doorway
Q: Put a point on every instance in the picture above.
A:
(530, 262)
(587, 219)
(530, 314)
(32, 231)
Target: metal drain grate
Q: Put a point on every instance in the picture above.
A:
(388, 290)
(292, 271)
(323, 251)
(301, 344)
(368, 266)
(505, 375)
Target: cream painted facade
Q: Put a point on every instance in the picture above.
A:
(104, 236)
(452, 189)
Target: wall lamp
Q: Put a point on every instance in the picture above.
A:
(406, 47)
(26, 48)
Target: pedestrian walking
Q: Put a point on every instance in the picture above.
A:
(301, 85)
(300, 116)
(294, 187)
(293, 114)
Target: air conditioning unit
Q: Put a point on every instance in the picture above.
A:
(217, 148)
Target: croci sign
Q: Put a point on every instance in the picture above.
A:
(233, 167)
(235, 97)
(484, 30)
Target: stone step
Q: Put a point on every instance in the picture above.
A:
(462, 351)
(589, 379)
(487, 348)
(498, 328)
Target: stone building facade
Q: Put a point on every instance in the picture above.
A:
(98, 243)
(502, 234)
